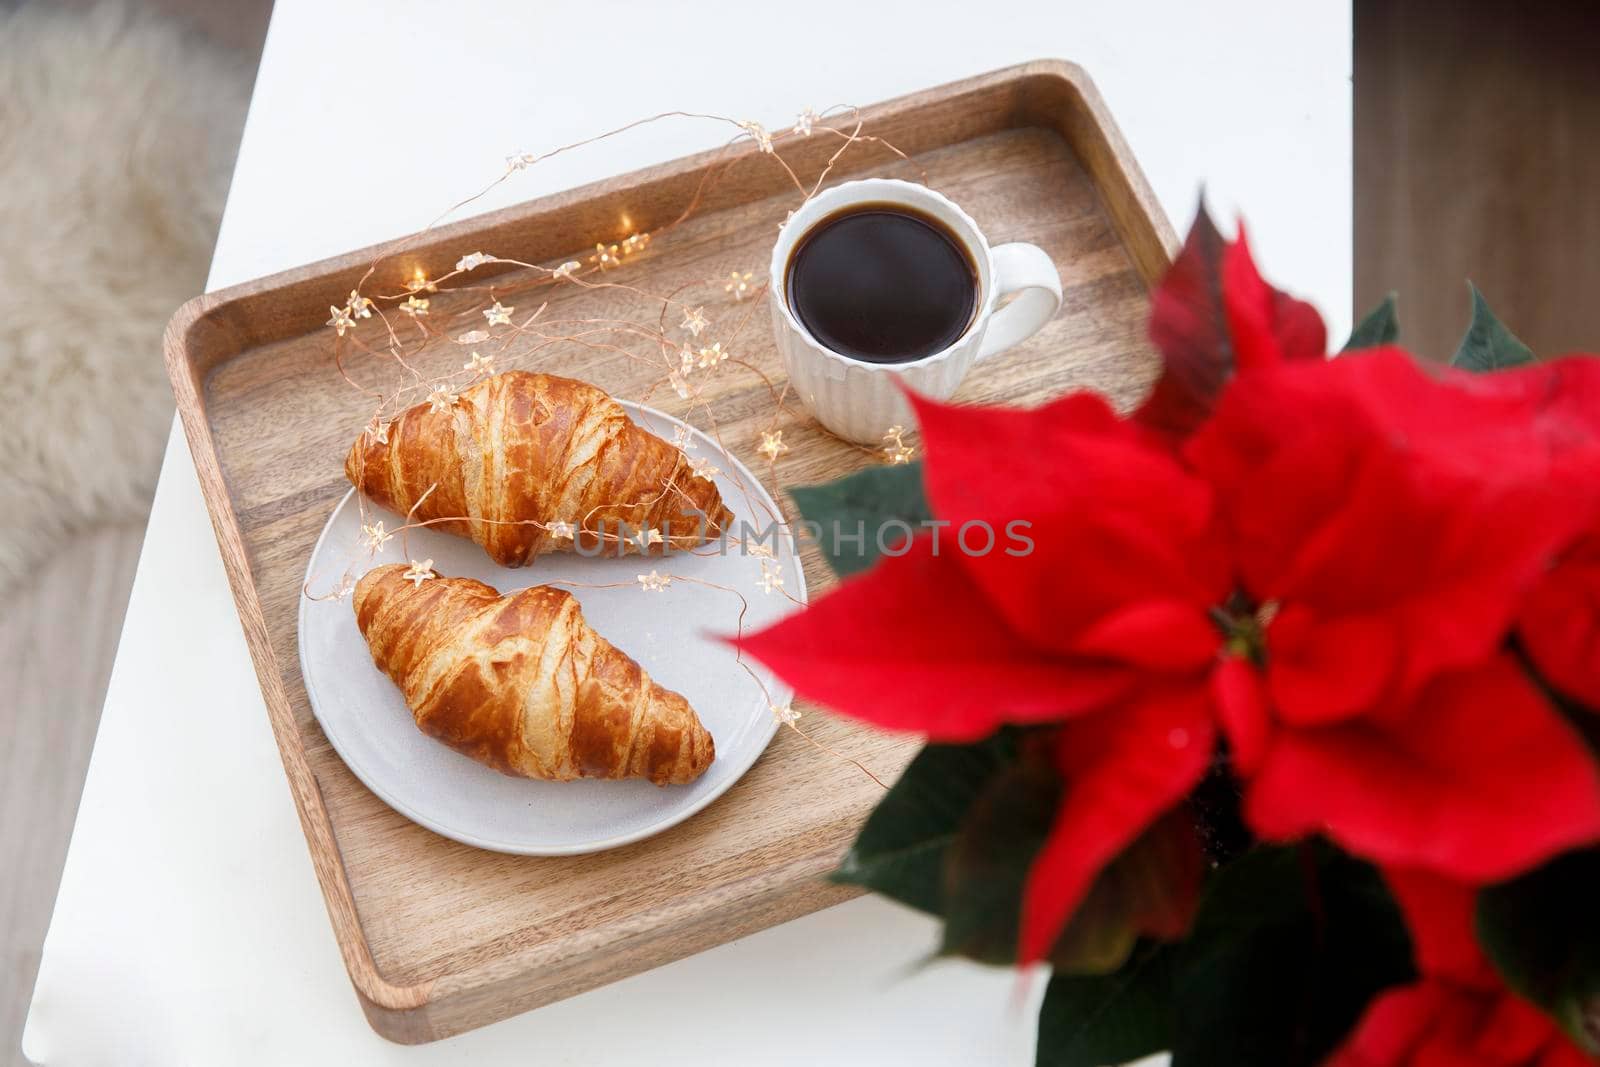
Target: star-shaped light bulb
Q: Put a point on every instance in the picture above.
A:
(415, 306)
(694, 320)
(605, 256)
(473, 260)
(772, 445)
(359, 305)
(804, 122)
(374, 536)
(654, 582)
(378, 430)
(341, 320)
(441, 399)
(895, 447)
(738, 284)
(758, 133)
(499, 314)
(562, 530)
(566, 269)
(710, 357)
(418, 573)
(785, 713)
(479, 364)
(771, 578)
(701, 467)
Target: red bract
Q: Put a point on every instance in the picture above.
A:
(1126, 559)
(1266, 326)
(1212, 316)
(1475, 776)
(1560, 398)
(1386, 525)
(1560, 623)
(1459, 1013)
(1122, 769)
(914, 644)
(1102, 626)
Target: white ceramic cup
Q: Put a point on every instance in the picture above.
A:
(858, 400)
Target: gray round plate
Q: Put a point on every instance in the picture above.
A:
(672, 633)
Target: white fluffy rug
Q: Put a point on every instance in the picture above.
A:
(117, 136)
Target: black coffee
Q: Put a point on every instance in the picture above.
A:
(882, 283)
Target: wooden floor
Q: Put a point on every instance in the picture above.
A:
(58, 639)
(58, 635)
(1474, 157)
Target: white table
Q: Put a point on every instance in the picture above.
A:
(189, 928)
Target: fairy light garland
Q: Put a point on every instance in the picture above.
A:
(693, 362)
(686, 368)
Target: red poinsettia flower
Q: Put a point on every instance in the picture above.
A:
(1459, 1012)
(1330, 563)
(1102, 626)
(1386, 524)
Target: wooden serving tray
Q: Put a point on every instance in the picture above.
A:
(439, 937)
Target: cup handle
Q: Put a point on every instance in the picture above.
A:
(1023, 269)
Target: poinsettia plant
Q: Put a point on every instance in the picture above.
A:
(1278, 737)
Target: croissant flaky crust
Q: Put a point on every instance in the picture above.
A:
(519, 452)
(523, 684)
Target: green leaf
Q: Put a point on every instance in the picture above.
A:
(1380, 327)
(851, 513)
(957, 834)
(986, 870)
(987, 864)
(1542, 931)
(1095, 1020)
(900, 851)
(1488, 345)
(1289, 947)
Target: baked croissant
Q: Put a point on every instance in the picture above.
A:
(523, 684)
(520, 452)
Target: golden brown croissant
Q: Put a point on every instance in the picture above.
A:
(520, 452)
(523, 684)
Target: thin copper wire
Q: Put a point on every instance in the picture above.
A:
(607, 336)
